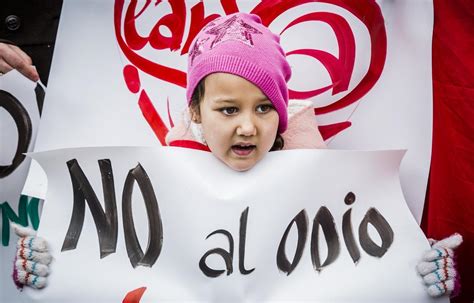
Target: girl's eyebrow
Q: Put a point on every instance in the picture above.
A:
(224, 100)
(231, 100)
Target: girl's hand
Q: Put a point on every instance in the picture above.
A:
(438, 268)
(32, 260)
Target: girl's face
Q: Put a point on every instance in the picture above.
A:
(239, 123)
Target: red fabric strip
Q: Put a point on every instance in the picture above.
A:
(450, 199)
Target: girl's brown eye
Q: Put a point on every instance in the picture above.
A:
(229, 110)
(264, 108)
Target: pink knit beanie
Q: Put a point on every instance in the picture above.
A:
(240, 44)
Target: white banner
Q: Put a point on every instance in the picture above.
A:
(302, 225)
(21, 101)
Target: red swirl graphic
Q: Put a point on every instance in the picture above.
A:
(340, 68)
(369, 13)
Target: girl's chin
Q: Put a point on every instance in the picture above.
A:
(239, 161)
(241, 165)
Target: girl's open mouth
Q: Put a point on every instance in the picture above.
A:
(243, 149)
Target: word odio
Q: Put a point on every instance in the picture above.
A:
(106, 225)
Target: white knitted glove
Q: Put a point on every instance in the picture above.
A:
(32, 258)
(438, 267)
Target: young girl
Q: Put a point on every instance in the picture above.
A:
(239, 110)
(238, 96)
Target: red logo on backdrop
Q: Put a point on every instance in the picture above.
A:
(339, 67)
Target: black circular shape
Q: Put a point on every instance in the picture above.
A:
(13, 22)
(350, 198)
(23, 124)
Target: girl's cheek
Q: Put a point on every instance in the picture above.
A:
(270, 122)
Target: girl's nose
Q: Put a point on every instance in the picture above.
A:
(246, 126)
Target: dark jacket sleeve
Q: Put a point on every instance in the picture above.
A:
(32, 26)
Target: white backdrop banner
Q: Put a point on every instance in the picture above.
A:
(303, 225)
(21, 101)
(119, 72)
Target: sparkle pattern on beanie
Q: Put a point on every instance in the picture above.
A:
(233, 29)
(197, 49)
(241, 45)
